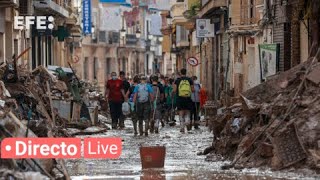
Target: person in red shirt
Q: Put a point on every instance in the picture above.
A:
(115, 95)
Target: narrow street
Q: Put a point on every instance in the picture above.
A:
(246, 71)
(182, 161)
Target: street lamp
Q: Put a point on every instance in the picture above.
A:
(138, 33)
(169, 19)
(160, 38)
(150, 36)
(122, 32)
(92, 29)
(154, 38)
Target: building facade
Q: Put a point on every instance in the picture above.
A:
(253, 40)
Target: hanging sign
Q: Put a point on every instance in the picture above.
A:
(269, 59)
(86, 9)
(193, 61)
(204, 28)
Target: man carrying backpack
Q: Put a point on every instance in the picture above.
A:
(183, 88)
(158, 94)
(142, 98)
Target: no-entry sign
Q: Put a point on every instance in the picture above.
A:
(193, 61)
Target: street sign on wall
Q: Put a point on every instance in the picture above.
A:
(193, 61)
(204, 28)
(86, 17)
(269, 59)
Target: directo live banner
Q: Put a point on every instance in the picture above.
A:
(66, 148)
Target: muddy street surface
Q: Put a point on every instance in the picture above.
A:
(182, 161)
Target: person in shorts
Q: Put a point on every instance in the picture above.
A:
(183, 88)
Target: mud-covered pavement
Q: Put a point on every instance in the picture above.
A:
(182, 161)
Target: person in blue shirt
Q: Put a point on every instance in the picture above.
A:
(143, 98)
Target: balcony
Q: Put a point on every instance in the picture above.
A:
(177, 9)
(208, 6)
(9, 3)
(48, 7)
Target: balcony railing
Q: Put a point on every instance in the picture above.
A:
(8, 3)
(211, 4)
(49, 6)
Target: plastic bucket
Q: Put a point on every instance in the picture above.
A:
(152, 156)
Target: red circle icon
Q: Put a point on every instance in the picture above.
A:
(193, 61)
(75, 59)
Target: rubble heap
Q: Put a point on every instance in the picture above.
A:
(44, 103)
(276, 124)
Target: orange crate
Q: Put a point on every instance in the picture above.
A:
(152, 156)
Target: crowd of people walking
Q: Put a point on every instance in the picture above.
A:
(154, 101)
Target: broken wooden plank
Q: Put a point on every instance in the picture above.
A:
(42, 108)
(76, 111)
(51, 106)
(288, 147)
(314, 75)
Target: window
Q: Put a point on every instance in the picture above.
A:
(148, 27)
(124, 64)
(23, 7)
(85, 68)
(95, 67)
(251, 9)
(15, 47)
(102, 36)
(182, 34)
(108, 66)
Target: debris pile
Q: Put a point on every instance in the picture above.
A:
(276, 124)
(47, 102)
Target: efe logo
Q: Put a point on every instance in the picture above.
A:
(24, 22)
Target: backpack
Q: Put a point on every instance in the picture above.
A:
(131, 94)
(143, 94)
(184, 88)
(156, 93)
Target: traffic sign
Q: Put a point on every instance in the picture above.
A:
(193, 61)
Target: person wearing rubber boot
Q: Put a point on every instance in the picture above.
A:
(130, 97)
(126, 86)
(183, 88)
(194, 117)
(115, 96)
(158, 94)
(142, 98)
(170, 103)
